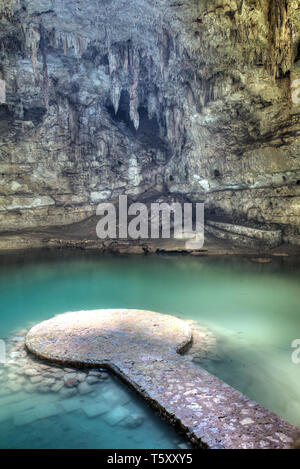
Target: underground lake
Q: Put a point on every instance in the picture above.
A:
(249, 310)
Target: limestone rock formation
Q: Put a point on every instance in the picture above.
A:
(106, 97)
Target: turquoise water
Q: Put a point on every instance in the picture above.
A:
(74, 430)
(253, 309)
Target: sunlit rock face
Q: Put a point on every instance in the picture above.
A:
(111, 97)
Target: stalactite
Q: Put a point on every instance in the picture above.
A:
(113, 60)
(134, 104)
(32, 36)
(153, 107)
(7, 7)
(126, 58)
(170, 125)
(280, 37)
(164, 54)
(70, 40)
(134, 92)
(115, 92)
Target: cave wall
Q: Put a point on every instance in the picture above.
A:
(113, 97)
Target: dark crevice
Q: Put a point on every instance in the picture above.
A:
(123, 111)
(34, 114)
(297, 58)
(148, 132)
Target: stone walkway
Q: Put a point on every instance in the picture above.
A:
(143, 348)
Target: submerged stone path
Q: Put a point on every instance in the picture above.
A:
(143, 348)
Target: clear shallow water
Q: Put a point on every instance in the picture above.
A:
(73, 429)
(253, 309)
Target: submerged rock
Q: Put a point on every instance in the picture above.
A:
(31, 372)
(94, 409)
(84, 388)
(71, 382)
(133, 421)
(65, 392)
(57, 386)
(116, 416)
(93, 379)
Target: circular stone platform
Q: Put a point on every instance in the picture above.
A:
(106, 336)
(141, 346)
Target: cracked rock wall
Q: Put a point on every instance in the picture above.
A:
(150, 97)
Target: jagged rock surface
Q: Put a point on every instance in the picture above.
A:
(115, 97)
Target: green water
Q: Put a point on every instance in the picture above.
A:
(253, 309)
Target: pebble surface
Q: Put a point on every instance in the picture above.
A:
(142, 347)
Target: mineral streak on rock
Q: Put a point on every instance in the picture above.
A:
(142, 347)
(199, 93)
